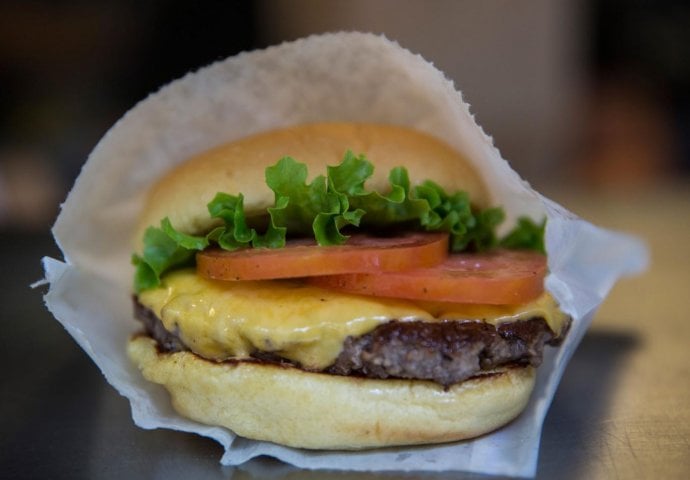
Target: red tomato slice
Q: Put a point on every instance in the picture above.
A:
(303, 258)
(498, 277)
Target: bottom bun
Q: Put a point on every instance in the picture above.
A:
(293, 407)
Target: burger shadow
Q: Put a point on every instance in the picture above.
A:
(572, 429)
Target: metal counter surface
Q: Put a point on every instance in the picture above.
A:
(622, 409)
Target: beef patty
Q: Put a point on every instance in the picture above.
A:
(445, 352)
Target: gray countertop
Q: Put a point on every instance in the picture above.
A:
(622, 409)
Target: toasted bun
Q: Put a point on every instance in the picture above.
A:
(314, 410)
(239, 167)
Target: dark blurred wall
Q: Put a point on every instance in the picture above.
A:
(639, 96)
(70, 69)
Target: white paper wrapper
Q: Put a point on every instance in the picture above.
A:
(345, 76)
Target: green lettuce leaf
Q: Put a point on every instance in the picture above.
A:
(398, 207)
(164, 249)
(526, 235)
(235, 233)
(325, 208)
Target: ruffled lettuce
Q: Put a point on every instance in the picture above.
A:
(324, 208)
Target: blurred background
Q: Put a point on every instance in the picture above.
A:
(589, 100)
(592, 93)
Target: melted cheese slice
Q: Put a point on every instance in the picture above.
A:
(305, 324)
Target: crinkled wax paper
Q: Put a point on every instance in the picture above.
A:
(346, 77)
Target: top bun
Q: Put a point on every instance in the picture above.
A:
(239, 167)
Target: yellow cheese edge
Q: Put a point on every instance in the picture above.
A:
(305, 324)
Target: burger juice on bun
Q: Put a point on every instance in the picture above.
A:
(339, 286)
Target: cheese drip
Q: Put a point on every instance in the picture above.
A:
(308, 325)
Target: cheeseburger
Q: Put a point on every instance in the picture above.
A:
(339, 286)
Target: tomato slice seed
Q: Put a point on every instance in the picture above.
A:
(303, 258)
(498, 277)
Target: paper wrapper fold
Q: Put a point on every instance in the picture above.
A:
(335, 77)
